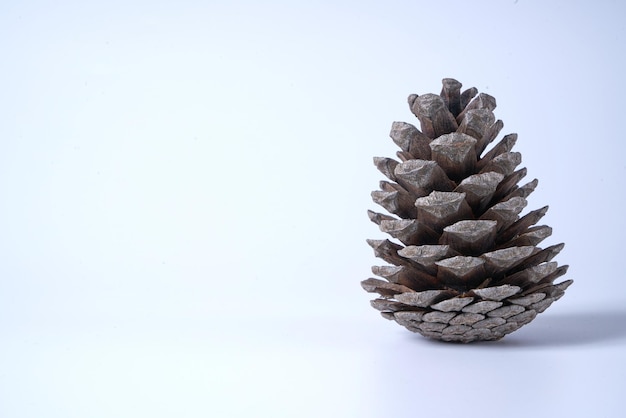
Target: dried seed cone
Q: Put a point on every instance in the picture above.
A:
(463, 265)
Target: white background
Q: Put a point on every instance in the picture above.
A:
(183, 196)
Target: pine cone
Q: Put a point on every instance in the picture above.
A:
(468, 267)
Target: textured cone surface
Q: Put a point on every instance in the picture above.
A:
(463, 261)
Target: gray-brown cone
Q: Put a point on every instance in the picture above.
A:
(464, 265)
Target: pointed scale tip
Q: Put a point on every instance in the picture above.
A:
(565, 284)
(451, 81)
(374, 243)
(377, 217)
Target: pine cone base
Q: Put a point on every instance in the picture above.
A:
(464, 266)
(471, 318)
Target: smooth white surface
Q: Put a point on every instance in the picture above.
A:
(183, 192)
